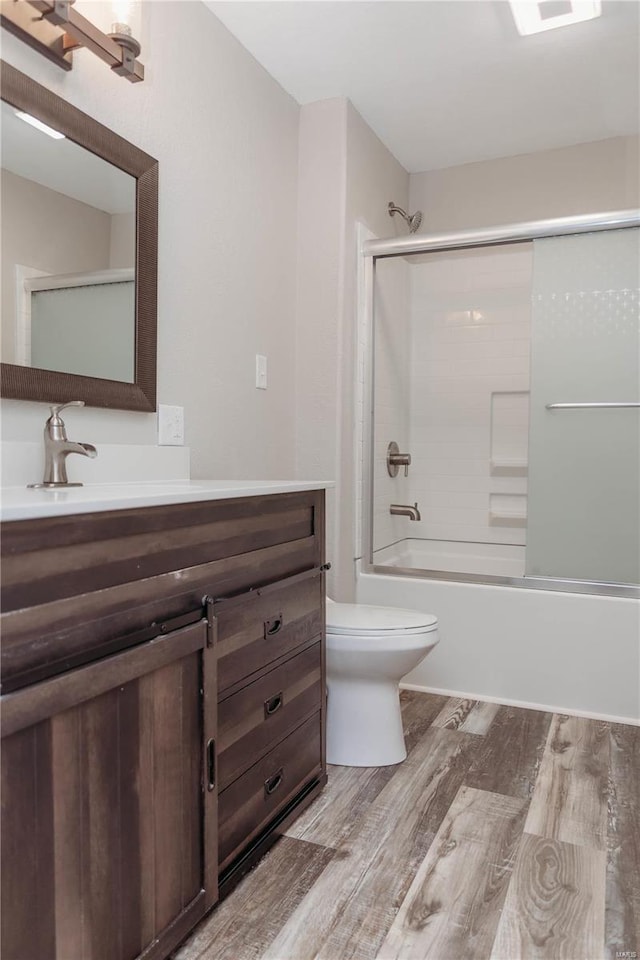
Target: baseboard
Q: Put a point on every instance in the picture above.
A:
(546, 707)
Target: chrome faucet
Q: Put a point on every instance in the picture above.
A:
(57, 448)
(403, 510)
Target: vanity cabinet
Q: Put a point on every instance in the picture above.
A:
(162, 715)
(104, 817)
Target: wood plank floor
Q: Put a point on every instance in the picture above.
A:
(507, 834)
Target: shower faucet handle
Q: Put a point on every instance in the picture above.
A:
(395, 460)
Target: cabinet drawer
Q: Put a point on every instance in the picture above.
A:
(254, 798)
(264, 712)
(56, 557)
(261, 626)
(73, 585)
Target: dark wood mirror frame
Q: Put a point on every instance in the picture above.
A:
(30, 383)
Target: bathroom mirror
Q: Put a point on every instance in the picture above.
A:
(79, 255)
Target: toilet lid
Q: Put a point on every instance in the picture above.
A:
(357, 618)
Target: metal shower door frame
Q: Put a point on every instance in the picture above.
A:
(374, 250)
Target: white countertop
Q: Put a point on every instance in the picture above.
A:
(20, 503)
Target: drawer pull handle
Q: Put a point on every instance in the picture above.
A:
(271, 627)
(272, 705)
(211, 764)
(272, 784)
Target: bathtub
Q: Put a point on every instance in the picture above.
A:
(565, 652)
(454, 556)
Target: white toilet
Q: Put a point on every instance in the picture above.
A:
(369, 649)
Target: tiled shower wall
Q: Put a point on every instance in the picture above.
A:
(392, 364)
(469, 373)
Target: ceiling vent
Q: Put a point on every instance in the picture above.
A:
(532, 17)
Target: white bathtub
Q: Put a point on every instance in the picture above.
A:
(573, 653)
(454, 556)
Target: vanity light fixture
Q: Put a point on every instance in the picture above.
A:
(39, 125)
(121, 34)
(55, 29)
(535, 17)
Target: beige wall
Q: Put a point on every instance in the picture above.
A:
(122, 241)
(320, 273)
(586, 178)
(78, 242)
(226, 138)
(346, 175)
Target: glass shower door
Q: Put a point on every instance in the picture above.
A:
(584, 461)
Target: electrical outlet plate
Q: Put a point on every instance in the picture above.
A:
(170, 425)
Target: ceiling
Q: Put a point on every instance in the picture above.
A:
(64, 166)
(446, 82)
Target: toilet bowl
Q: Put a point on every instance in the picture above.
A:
(369, 650)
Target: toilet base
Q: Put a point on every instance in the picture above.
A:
(364, 723)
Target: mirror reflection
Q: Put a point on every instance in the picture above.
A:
(68, 254)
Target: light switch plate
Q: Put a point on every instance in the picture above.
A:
(170, 425)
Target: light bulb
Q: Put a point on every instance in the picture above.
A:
(122, 29)
(122, 17)
(122, 11)
(39, 125)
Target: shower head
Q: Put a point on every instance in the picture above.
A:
(413, 220)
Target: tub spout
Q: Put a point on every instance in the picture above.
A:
(404, 510)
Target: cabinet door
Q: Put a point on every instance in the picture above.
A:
(109, 808)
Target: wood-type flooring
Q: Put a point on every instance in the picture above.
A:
(507, 834)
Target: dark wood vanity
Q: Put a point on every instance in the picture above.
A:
(163, 697)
